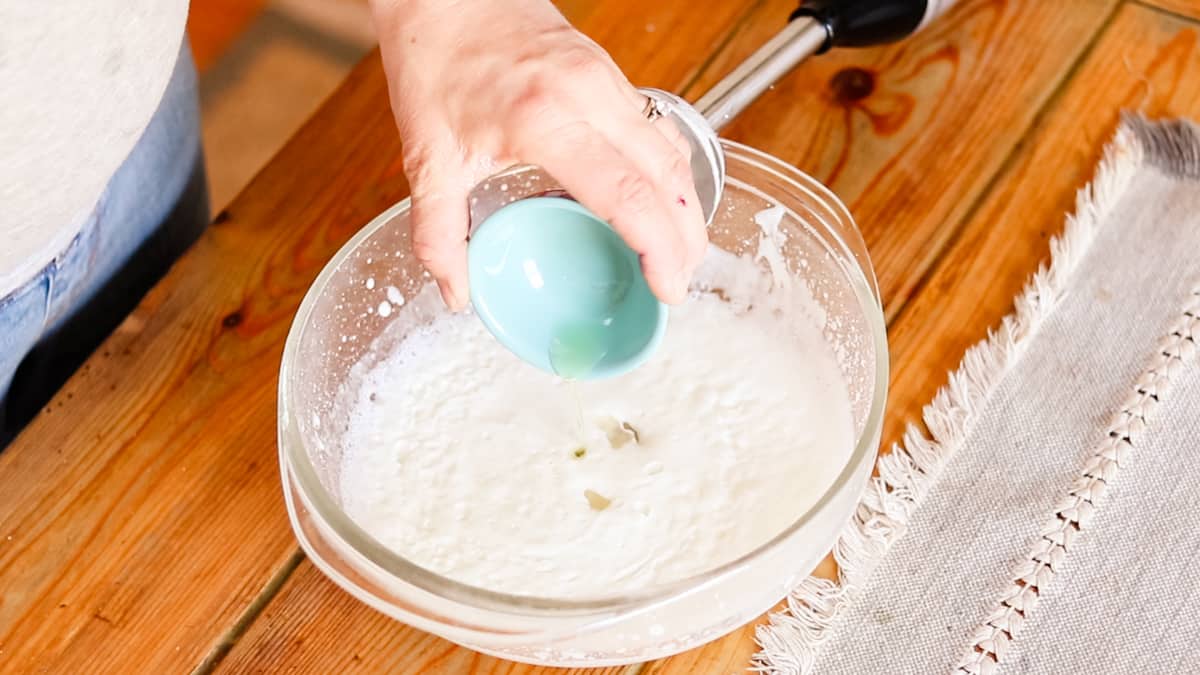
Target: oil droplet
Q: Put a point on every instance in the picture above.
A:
(576, 350)
(596, 500)
(619, 433)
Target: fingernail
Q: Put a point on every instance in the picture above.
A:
(461, 297)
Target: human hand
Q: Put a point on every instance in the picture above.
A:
(477, 86)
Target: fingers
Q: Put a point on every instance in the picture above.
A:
(439, 228)
(568, 109)
(667, 128)
(618, 189)
(662, 154)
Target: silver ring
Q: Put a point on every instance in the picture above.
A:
(654, 108)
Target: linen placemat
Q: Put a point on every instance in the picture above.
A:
(1044, 524)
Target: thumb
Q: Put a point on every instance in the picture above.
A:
(440, 220)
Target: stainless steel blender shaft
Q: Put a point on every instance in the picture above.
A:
(800, 39)
(814, 27)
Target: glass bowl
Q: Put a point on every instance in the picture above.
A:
(330, 344)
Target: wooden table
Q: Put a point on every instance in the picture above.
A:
(142, 526)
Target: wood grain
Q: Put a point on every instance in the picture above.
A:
(213, 25)
(1186, 8)
(908, 135)
(141, 513)
(660, 44)
(737, 649)
(309, 606)
(314, 627)
(576, 11)
(731, 654)
(1145, 61)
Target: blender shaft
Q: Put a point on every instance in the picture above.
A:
(814, 27)
(800, 39)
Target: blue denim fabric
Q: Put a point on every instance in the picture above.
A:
(154, 207)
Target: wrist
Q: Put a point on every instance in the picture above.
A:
(405, 14)
(421, 17)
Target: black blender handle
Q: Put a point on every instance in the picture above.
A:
(816, 27)
(861, 23)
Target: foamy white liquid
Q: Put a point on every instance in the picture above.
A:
(461, 458)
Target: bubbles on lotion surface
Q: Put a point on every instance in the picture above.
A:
(770, 244)
(741, 421)
(394, 296)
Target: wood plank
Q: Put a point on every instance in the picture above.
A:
(141, 514)
(267, 85)
(1188, 8)
(887, 139)
(730, 654)
(660, 44)
(576, 11)
(312, 626)
(1144, 61)
(908, 135)
(741, 645)
(213, 25)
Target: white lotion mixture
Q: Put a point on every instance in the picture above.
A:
(471, 463)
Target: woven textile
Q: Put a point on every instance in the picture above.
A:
(1044, 524)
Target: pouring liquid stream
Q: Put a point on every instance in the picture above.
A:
(575, 350)
(573, 354)
(573, 386)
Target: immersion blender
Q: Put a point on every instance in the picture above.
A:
(815, 27)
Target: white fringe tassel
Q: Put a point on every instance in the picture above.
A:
(790, 642)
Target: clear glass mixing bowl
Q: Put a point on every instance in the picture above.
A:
(333, 332)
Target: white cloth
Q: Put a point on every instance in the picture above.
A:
(1010, 493)
(1130, 589)
(79, 82)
